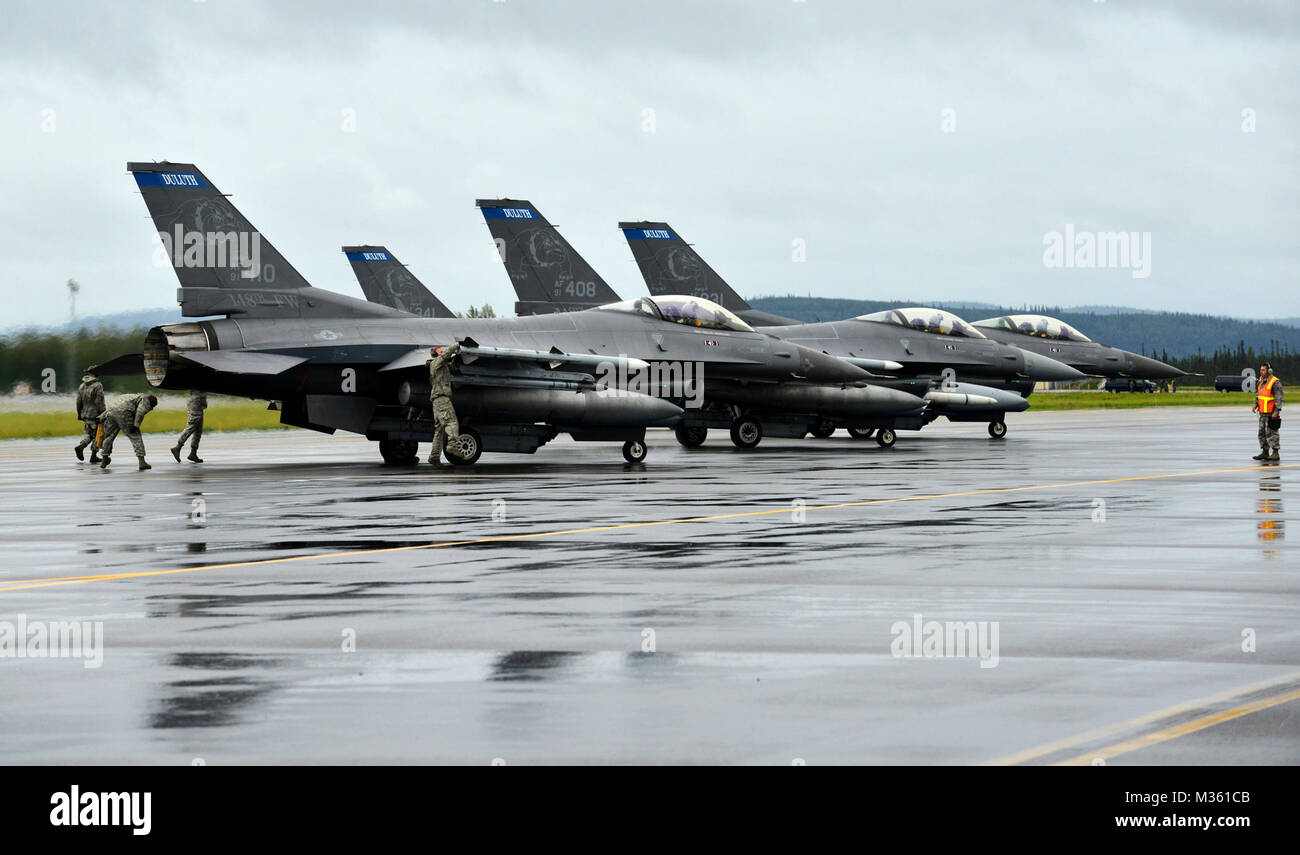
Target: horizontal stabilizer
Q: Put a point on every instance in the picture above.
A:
(242, 361)
(121, 366)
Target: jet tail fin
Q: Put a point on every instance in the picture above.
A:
(386, 281)
(670, 265)
(225, 266)
(547, 273)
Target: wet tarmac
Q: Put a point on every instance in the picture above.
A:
(292, 600)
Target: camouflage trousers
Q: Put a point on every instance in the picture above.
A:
(445, 427)
(1269, 438)
(111, 430)
(193, 430)
(90, 426)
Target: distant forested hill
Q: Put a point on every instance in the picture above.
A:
(1175, 334)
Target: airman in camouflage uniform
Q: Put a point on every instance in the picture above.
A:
(90, 406)
(125, 415)
(445, 426)
(195, 405)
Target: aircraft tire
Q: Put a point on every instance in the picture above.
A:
(469, 449)
(746, 432)
(635, 450)
(691, 437)
(399, 452)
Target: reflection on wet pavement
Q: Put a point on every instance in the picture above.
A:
(219, 700)
(769, 634)
(1272, 523)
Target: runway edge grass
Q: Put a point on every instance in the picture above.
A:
(216, 420)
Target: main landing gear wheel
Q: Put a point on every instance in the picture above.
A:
(861, 432)
(821, 430)
(997, 430)
(399, 452)
(634, 450)
(691, 437)
(886, 438)
(466, 450)
(746, 433)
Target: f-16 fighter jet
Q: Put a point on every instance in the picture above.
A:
(971, 378)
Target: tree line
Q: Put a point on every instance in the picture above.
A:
(1141, 332)
(55, 361)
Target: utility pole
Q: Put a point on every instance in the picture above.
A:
(73, 289)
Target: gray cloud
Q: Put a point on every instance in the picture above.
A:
(774, 121)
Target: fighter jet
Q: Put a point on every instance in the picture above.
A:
(930, 344)
(385, 280)
(1058, 340)
(329, 362)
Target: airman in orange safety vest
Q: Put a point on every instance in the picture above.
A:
(1268, 403)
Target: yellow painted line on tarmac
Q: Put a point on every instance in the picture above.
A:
(1197, 724)
(1140, 721)
(23, 584)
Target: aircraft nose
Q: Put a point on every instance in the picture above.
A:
(1039, 367)
(1146, 368)
(819, 367)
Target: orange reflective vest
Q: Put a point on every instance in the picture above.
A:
(1264, 395)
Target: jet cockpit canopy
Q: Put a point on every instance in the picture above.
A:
(925, 320)
(1039, 326)
(688, 311)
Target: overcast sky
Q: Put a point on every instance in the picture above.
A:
(772, 121)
